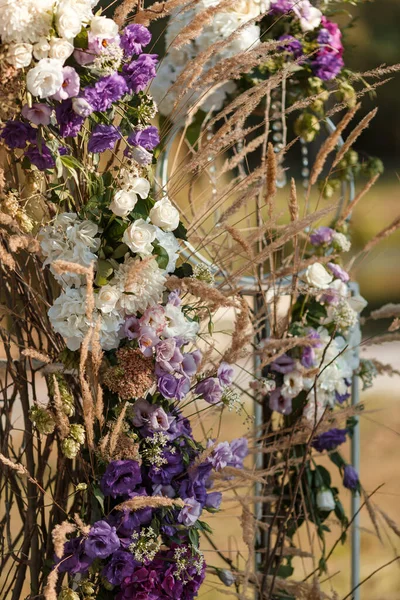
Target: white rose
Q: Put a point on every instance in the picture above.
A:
(19, 55)
(41, 49)
(103, 28)
(60, 49)
(81, 107)
(178, 325)
(140, 186)
(164, 215)
(317, 276)
(138, 237)
(46, 78)
(325, 500)
(68, 21)
(107, 298)
(123, 203)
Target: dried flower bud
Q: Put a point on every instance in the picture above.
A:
(42, 419)
(70, 447)
(81, 487)
(68, 594)
(78, 433)
(25, 222)
(226, 576)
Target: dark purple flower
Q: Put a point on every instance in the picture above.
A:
(239, 449)
(327, 65)
(279, 403)
(282, 6)
(210, 390)
(147, 138)
(17, 134)
(75, 559)
(283, 364)
(342, 397)
(103, 138)
(338, 272)
(350, 478)
(214, 500)
(121, 478)
(40, 157)
(121, 565)
(101, 541)
(329, 440)
(225, 374)
(140, 72)
(63, 150)
(134, 38)
(166, 472)
(292, 45)
(68, 121)
(127, 522)
(322, 235)
(105, 92)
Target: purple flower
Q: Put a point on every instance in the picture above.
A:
(158, 420)
(338, 272)
(121, 565)
(282, 6)
(68, 121)
(134, 38)
(329, 440)
(147, 340)
(121, 478)
(341, 397)
(168, 355)
(330, 35)
(279, 403)
(131, 328)
(213, 500)
(174, 298)
(167, 385)
(17, 134)
(166, 472)
(322, 235)
(70, 86)
(105, 92)
(127, 522)
(225, 374)
(190, 512)
(221, 456)
(75, 559)
(141, 412)
(350, 478)
(283, 364)
(210, 390)
(38, 113)
(327, 65)
(308, 357)
(147, 138)
(140, 72)
(239, 449)
(101, 541)
(292, 45)
(103, 138)
(40, 157)
(189, 364)
(183, 388)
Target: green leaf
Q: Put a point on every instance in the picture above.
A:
(285, 571)
(162, 256)
(337, 459)
(185, 270)
(180, 232)
(120, 251)
(98, 494)
(324, 475)
(81, 40)
(194, 537)
(104, 271)
(204, 526)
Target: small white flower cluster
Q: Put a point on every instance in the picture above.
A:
(183, 562)
(232, 399)
(223, 24)
(145, 545)
(153, 452)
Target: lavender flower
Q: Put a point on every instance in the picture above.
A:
(190, 512)
(282, 6)
(168, 355)
(174, 298)
(329, 440)
(147, 138)
(327, 65)
(221, 456)
(292, 45)
(213, 500)
(121, 565)
(210, 390)
(40, 157)
(225, 374)
(70, 86)
(167, 385)
(75, 558)
(38, 113)
(239, 449)
(321, 236)
(17, 134)
(68, 121)
(140, 72)
(134, 38)
(338, 272)
(283, 364)
(103, 138)
(106, 92)
(101, 541)
(350, 478)
(121, 478)
(280, 404)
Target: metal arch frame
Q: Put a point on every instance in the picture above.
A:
(250, 286)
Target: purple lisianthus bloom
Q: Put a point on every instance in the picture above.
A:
(221, 456)
(140, 72)
(342, 397)
(350, 478)
(68, 121)
(329, 440)
(106, 92)
(213, 500)
(327, 65)
(322, 235)
(158, 419)
(40, 157)
(131, 328)
(183, 388)
(225, 374)
(121, 565)
(167, 471)
(293, 45)
(101, 541)
(167, 385)
(174, 298)
(121, 478)
(338, 272)
(103, 138)
(147, 340)
(38, 113)
(168, 355)
(239, 449)
(70, 86)
(17, 134)
(189, 364)
(282, 6)
(190, 512)
(141, 412)
(134, 38)
(127, 522)
(147, 138)
(283, 364)
(75, 559)
(210, 390)
(279, 403)
(63, 150)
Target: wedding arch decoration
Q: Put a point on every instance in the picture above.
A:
(109, 316)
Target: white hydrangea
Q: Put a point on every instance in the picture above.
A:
(139, 291)
(68, 318)
(341, 242)
(171, 245)
(344, 316)
(25, 21)
(71, 239)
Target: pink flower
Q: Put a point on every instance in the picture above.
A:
(38, 113)
(70, 86)
(154, 317)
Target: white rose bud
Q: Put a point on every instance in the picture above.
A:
(325, 500)
(103, 28)
(46, 78)
(68, 21)
(164, 215)
(19, 55)
(138, 237)
(41, 49)
(107, 298)
(60, 49)
(81, 107)
(123, 203)
(317, 276)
